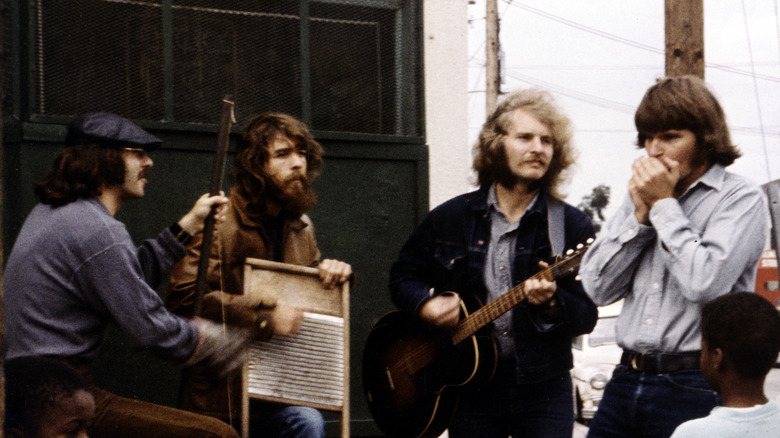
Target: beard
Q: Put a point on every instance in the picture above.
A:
(293, 194)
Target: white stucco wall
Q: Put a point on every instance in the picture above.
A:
(446, 97)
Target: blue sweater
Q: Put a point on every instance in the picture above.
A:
(73, 270)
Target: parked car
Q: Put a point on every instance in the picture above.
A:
(595, 356)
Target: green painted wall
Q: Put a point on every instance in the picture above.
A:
(372, 193)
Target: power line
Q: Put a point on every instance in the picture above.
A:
(623, 67)
(755, 90)
(588, 29)
(632, 43)
(777, 29)
(755, 131)
(587, 67)
(585, 97)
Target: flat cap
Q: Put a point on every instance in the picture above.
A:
(109, 130)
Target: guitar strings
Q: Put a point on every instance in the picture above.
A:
(479, 318)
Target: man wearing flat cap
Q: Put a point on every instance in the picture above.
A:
(74, 269)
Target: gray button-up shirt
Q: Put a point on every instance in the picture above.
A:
(705, 244)
(498, 267)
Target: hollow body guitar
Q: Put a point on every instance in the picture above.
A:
(413, 374)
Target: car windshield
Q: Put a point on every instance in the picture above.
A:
(603, 333)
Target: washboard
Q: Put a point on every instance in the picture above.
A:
(310, 368)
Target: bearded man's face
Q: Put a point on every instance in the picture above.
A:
(286, 170)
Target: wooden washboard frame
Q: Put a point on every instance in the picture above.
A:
(298, 286)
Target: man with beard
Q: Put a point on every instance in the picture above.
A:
(484, 243)
(74, 269)
(276, 161)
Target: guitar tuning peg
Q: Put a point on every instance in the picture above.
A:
(580, 246)
(578, 277)
(589, 241)
(569, 252)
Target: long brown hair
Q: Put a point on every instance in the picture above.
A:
(489, 156)
(685, 102)
(79, 172)
(252, 153)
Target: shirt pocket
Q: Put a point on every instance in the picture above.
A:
(456, 270)
(449, 255)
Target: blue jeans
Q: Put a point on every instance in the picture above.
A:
(503, 407)
(646, 405)
(281, 421)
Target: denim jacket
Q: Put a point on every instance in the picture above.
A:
(447, 253)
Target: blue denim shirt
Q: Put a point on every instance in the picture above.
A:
(703, 245)
(447, 252)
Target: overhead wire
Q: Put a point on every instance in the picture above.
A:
(623, 67)
(629, 42)
(579, 95)
(621, 107)
(755, 90)
(584, 28)
(777, 30)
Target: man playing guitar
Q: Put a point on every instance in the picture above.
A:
(479, 245)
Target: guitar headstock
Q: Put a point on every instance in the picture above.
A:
(571, 261)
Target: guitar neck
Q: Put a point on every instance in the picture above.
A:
(491, 311)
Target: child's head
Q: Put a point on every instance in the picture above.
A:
(45, 398)
(740, 331)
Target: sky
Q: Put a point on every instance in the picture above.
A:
(598, 57)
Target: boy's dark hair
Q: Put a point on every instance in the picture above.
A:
(33, 385)
(746, 327)
(685, 102)
(79, 172)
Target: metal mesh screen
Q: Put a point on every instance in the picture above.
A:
(99, 55)
(340, 65)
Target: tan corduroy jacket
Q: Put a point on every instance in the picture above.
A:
(240, 236)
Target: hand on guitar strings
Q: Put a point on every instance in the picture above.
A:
(538, 290)
(442, 310)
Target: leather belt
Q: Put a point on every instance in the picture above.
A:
(660, 363)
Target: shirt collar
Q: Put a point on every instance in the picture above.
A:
(714, 177)
(255, 220)
(537, 204)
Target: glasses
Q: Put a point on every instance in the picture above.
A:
(137, 151)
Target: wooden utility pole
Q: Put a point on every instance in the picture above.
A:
(684, 21)
(491, 56)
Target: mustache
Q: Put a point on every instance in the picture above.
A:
(536, 160)
(297, 177)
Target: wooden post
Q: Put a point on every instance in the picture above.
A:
(491, 56)
(684, 24)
